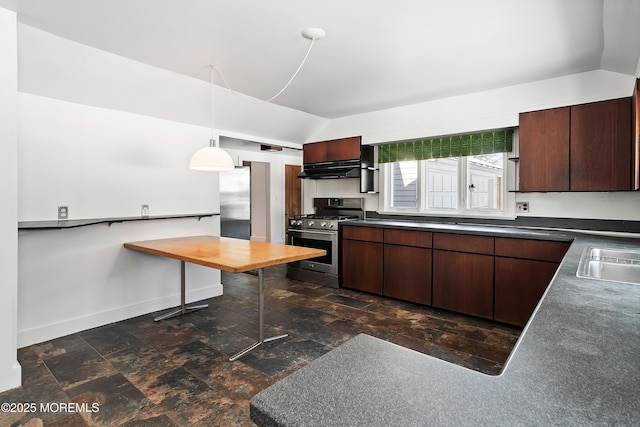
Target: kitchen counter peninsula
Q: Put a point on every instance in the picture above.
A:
(576, 363)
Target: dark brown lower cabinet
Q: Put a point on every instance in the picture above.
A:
(407, 273)
(497, 278)
(362, 265)
(520, 284)
(463, 282)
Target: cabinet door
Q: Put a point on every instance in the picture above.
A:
(344, 149)
(463, 282)
(407, 273)
(314, 152)
(601, 148)
(544, 150)
(519, 286)
(362, 265)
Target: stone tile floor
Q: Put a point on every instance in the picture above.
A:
(176, 372)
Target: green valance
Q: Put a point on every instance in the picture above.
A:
(447, 146)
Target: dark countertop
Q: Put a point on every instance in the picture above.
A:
(479, 229)
(577, 362)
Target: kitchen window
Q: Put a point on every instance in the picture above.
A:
(423, 179)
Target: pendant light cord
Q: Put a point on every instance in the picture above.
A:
(251, 100)
(213, 142)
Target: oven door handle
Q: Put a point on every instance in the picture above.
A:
(326, 233)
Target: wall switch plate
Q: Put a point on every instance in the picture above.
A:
(144, 211)
(522, 207)
(63, 212)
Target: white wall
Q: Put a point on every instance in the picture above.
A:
(490, 110)
(75, 279)
(260, 201)
(103, 163)
(58, 68)
(10, 371)
(479, 111)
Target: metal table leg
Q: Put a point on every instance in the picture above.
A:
(261, 339)
(183, 307)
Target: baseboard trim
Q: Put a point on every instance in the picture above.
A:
(77, 324)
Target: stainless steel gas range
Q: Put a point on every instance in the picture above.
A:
(320, 230)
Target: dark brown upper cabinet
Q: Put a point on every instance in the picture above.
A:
(544, 150)
(601, 146)
(585, 147)
(332, 151)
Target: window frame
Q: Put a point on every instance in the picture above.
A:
(463, 177)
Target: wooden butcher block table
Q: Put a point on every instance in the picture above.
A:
(224, 253)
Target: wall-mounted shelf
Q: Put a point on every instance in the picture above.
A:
(74, 223)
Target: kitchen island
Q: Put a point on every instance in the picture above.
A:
(576, 363)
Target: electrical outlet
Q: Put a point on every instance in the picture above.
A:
(144, 211)
(63, 212)
(522, 207)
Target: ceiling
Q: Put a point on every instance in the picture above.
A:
(376, 54)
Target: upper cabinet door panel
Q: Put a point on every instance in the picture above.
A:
(314, 152)
(544, 150)
(344, 149)
(601, 149)
(332, 151)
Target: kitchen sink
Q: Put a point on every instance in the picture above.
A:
(617, 265)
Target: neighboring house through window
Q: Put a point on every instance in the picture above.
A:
(424, 179)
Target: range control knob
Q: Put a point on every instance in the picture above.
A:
(330, 225)
(299, 222)
(292, 222)
(310, 224)
(323, 224)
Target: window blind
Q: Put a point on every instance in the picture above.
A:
(448, 146)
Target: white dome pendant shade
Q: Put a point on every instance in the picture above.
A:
(211, 158)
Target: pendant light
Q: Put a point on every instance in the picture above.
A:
(211, 158)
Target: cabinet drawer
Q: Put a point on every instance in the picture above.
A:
(540, 250)
(463, 243)
(420, 239)
(368, 234)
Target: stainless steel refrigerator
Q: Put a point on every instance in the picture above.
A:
(235, 203)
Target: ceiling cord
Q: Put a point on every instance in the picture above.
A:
(252, 100)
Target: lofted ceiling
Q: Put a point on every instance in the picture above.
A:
(376, 54)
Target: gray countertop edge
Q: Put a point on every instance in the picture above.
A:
(476, 229)
(576, 363)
